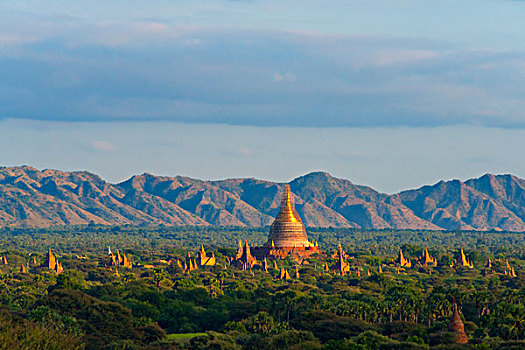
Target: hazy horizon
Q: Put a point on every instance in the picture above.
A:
(388, 159)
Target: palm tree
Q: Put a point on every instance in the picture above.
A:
(221, 276)
(517, 321)
(6, 277)
(38, 279)
(158, 276)
(262, 322)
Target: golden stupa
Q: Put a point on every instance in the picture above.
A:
(287, 230)
(287, 234)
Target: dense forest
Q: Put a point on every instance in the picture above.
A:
(157, 304)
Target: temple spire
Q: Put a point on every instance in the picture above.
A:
(457, 327)
(287, 211)
(287, 230)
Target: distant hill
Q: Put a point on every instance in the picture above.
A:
(30, 197)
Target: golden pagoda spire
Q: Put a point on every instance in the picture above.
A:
(247, 249)
(287, 230)
(58, 268)
(287, 211)
(119, 258)
(402, 261)
(50, 260)
(426, 259)
(489, 263)
(283, 274)
(464, 260)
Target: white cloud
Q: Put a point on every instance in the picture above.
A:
(152, 27)
(391, 58)
(286, 77)
(103, 146)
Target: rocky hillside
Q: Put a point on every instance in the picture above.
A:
(30, 197)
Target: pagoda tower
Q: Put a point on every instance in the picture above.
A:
(244, 259)
(426, 259)
(50, 260)
(287, 236)
(457, 327)
(287, 230)
(401, 261)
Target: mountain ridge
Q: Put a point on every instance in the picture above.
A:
(37, 198)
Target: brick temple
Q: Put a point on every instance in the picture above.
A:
(287, 234)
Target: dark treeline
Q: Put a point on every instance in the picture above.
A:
(97, 237)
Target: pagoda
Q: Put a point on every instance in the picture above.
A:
(287, 234)
(50, 262)
(426, 259)
(205, 260)
(283, 274)
(401, 261)
(488, 265)
(457, 327)
(463, 260)
(244, 259)
(341, 266)
(119, 260)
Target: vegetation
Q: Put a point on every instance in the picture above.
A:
(157, 305)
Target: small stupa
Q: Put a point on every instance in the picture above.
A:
(119, 260)
(58, 268)
(51, 261)
(341, 266)
(463, 260)
(203, 259)
(457, 327)
(426, 259)
(244, 258)
(401, 261)
(488, 265)
(283, 274)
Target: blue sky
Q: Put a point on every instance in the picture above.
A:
(359, 69)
